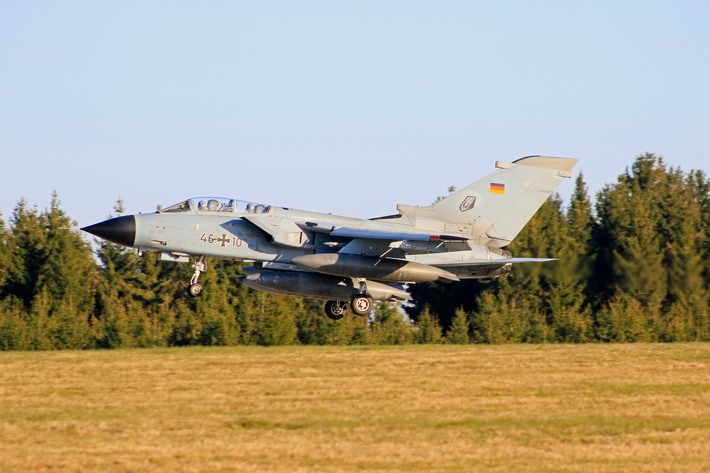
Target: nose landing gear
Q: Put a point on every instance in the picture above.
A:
(195, 289)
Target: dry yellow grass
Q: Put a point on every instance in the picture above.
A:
(594, 408)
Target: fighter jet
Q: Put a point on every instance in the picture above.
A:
(351, 262)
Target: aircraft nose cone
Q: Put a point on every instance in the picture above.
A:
(121, 230)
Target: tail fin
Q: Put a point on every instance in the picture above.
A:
(498, 206)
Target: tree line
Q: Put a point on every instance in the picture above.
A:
(634, 265)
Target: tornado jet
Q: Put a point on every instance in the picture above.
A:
(351, 262)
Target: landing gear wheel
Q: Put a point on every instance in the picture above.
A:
(335, 310)
(195, 290)
(361, 305)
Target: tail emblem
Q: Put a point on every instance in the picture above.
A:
(496, 188)
(467, 203)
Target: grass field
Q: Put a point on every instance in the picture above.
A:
(602, 408)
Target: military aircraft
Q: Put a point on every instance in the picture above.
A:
(350, 261)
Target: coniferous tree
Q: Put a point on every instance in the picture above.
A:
(650, 234)
(52, 274)
(629, 211)
(13, 320)
(629, 246)
(26, 242)
(4, 253)
(685, 307)
(247, 308)
(699, 184)
(14, 331)
(486, 323)
(458, 332)
(277, 324)
(70, 276)
(314, 328)
(428, 330)
(358, 329)
(389, 326)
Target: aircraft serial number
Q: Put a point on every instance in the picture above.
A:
(223, 239)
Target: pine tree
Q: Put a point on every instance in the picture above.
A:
(630, 262)
(314, 328)
(26, 248)
(389, 326)
(486, 323)
(634, 207)
(579, 216)
(247, 309)
(683, 240)
(51, 272)
(359, 330)
(569, 322)
(276, 324)
(651, 239)
(4, 253)
(13, 318)
(622, 319)
(458, 332)
(69, 274)
(699, 185)
(428, 329)
(14, 331)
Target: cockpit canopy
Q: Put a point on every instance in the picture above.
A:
(217, 204)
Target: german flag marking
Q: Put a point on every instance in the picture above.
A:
(496, 188)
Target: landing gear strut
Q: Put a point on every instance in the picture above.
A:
(195, 289)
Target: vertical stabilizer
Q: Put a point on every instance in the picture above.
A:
(498, 206)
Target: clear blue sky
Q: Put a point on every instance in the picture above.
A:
(343, 107)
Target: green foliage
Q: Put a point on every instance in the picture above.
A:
(652, 239)
(429, 330)
(389, 326)
(276, 324)
(14, 330)
(458, 332)
(637, 268)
